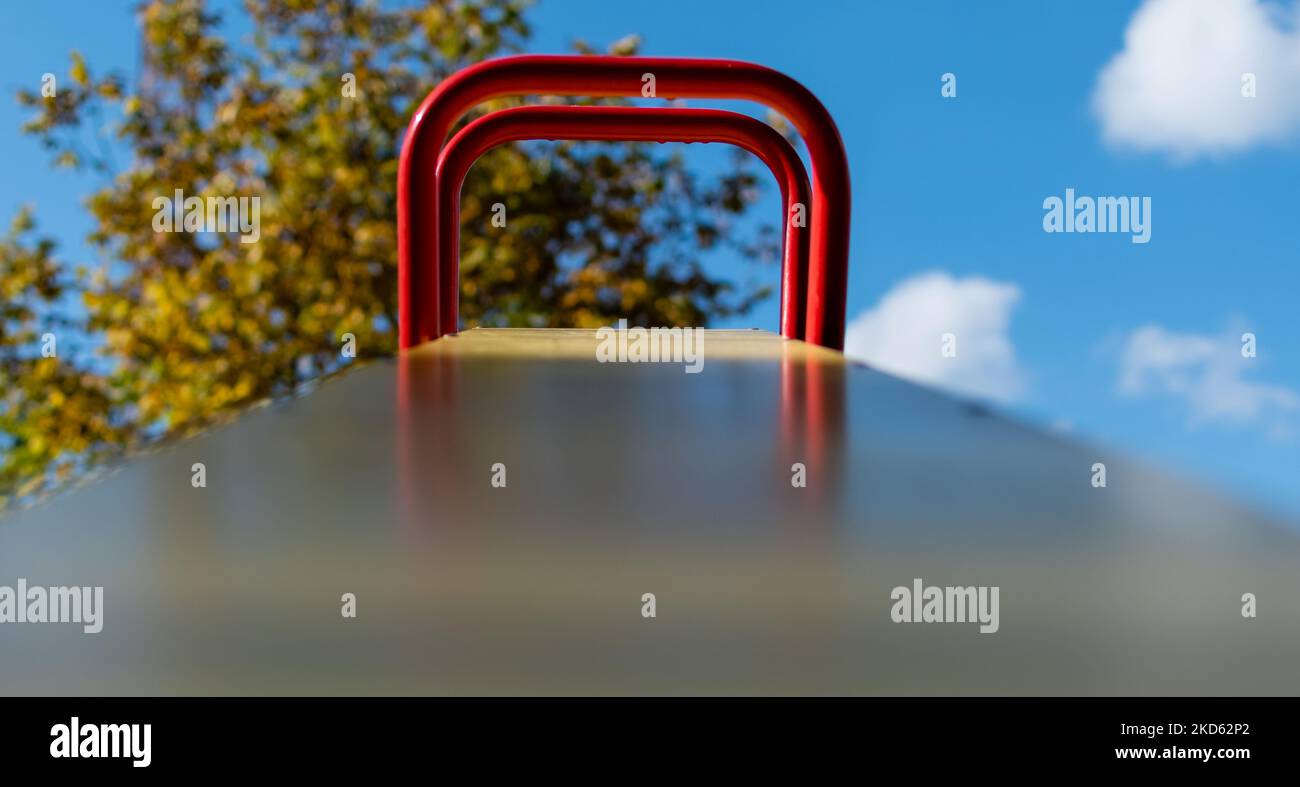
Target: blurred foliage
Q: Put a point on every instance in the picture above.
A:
(54, 416)
(176, 328)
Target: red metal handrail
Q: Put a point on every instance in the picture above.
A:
(570, 75)
(626, 124)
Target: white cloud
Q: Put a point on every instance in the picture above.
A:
(1209, 374)
(903, 335)
(1177, 84)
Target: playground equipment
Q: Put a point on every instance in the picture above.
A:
(496, 511)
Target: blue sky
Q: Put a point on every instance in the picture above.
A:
(1131, 346)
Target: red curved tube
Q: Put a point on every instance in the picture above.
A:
(596, 76)
(626, 124)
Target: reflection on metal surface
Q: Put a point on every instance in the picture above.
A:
(813, 421)
(632, 478)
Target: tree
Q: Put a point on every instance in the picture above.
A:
(307, 114)
(55, 417)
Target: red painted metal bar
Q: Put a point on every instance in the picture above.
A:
(625, 124)
(581, 75)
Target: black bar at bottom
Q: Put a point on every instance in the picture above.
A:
(213, 736)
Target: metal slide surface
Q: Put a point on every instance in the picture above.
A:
(624, 479)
